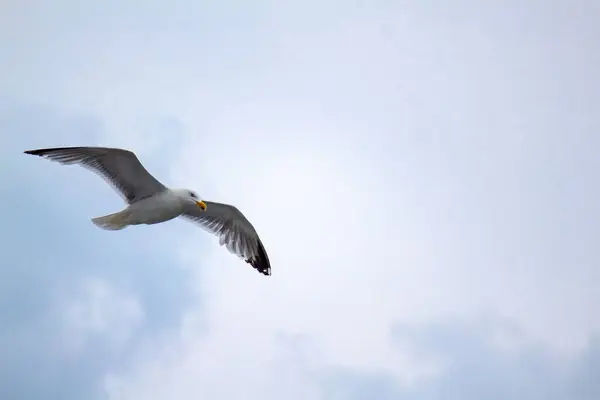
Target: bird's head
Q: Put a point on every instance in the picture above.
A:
(190, 196)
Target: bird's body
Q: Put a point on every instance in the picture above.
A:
(150, 202)
(160, 207)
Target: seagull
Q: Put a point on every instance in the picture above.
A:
(150, 202)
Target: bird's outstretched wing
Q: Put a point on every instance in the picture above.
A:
(120, 168)
(234, 231)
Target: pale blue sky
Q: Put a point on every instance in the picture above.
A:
(423, 176)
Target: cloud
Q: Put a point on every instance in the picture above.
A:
(73, 302)
(477, 357)
(475, 365)
(405, 165)
(103, 312)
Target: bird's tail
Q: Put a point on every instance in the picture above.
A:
(112, 222)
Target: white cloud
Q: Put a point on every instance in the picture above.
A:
(389, 157)
(100, 310)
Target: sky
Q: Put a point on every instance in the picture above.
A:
(423, 176)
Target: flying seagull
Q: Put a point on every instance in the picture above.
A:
(150, 202)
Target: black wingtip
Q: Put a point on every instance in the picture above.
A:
(261, 262)
(41, 152)
(44, 151)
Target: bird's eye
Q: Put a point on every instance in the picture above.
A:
(193, 195)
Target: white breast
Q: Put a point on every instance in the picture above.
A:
(158, 208)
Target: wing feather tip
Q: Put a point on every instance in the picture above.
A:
(49, 150)
(260, 266)
(261, 261)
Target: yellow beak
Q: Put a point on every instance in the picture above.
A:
(202, 205)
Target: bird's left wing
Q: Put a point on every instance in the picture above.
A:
(120, 168)
(234, 231)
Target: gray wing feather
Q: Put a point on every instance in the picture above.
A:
(234, 231)
(120, 168)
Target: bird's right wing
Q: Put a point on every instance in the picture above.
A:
(120, 168)
(234, 231)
